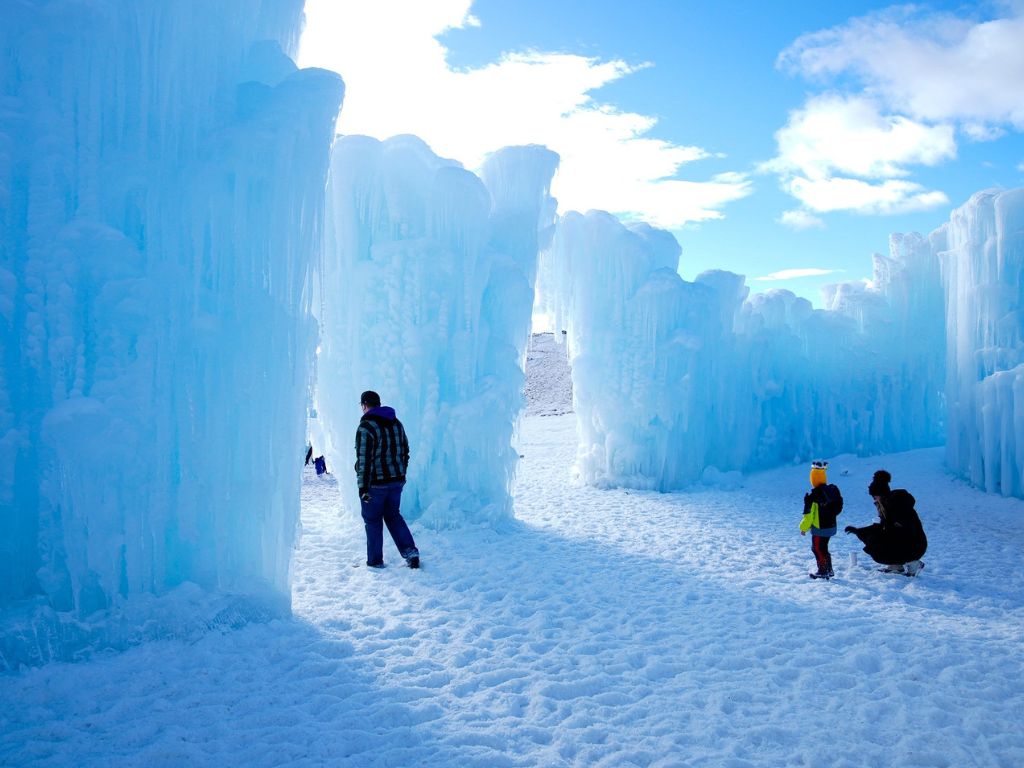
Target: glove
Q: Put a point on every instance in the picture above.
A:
(850, 529)
(364, 496)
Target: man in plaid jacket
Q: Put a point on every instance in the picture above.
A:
(382, 458)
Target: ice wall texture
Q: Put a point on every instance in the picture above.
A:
(982, 251)
(677, 381)
(427, 293)
(162, 175)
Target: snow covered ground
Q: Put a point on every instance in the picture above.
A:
(603, 628)
(548, 393)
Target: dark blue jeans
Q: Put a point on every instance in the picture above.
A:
(383, 509)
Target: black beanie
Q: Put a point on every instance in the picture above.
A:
(880, 484)
(370, 399)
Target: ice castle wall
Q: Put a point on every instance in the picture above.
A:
(677, 381)
(982, 252)
(427, 290)
(162, 173)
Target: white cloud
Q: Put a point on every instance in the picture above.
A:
(891, 196)
(933, 67)
(399, 81)
(982, 131)
(791, 274)
(834, 134)
(800, 219)
(922, 78)
(840, 153)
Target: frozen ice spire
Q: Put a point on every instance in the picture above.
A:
(427, 292)
(982, 251)
(162, 171)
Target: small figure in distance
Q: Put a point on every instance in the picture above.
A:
(897, 540)
(382, 458)
(821, 507)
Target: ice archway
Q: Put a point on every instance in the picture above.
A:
(427, 285)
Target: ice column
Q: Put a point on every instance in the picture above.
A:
(633, 327)
(868, 370)
(162, 175)
(677, 381)
(982, 251)
(427, 289)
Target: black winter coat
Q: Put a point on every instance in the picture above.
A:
(899, 537)
(830, 504)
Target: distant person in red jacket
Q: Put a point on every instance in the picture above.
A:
(897, 540)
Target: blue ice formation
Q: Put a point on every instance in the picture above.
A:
(674, 380)
(426, 297)
(162, 175)
(168, 265)
(982, 253)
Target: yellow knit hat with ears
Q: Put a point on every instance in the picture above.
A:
(818, 468)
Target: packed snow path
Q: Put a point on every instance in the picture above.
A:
(603, 628)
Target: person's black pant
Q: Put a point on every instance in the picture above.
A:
(819, 545)
(383, 509)
(888, 547)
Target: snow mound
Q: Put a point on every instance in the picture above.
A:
(548, 377)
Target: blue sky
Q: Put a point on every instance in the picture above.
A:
(767, 137)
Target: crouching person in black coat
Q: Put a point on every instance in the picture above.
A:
(897, 540)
